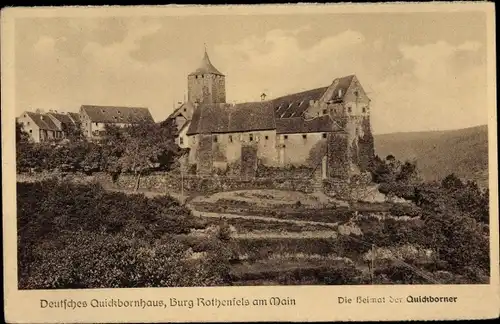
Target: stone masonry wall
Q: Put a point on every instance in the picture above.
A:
(169, 182)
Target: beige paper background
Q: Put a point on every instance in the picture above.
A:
(313, 303)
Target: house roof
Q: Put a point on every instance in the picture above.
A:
(293, 105)
(113, 114)
(300, 125)
(63, 118)
(74, 116)
(227, 118)
(206, 67)
(43, 121)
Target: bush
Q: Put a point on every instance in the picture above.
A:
(80, 236)
(405, 210)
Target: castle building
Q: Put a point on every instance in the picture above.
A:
(326, 128)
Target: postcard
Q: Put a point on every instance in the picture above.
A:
(250, 163)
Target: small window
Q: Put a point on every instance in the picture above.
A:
(324, 135)
(286, 136)
(364, 109)
(230, 138)
(97, 124)
(251, 137)
(349, 109)
(184, 109)
(181, 140)
(215, 138)
(28, 123)
(324, 111)
(304, 136)
(31, 131)
(266, 137)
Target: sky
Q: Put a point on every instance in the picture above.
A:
(422, 71)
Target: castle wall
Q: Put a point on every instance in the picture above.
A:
(300, 151)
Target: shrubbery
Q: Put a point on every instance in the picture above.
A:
(80, 236)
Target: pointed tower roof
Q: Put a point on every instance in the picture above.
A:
(206, 67)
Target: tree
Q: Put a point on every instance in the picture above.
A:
(139, 149)
(73, 132)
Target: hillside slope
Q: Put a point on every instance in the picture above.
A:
(439, 153)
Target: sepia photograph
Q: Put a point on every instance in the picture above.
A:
(251, 150)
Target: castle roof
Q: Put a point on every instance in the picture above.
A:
(341, 84)
(283, 114)
(293, 105)
(227, 118)
(300, 125)
(206, 67)
(113, 114)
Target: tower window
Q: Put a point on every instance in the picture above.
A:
(304, 136)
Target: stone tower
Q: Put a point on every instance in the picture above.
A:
(206, 84)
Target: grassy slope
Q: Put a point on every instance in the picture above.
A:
(463, 151)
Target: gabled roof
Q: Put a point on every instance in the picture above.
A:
(293, 105)
(113, 114)
(43, 121)
(227, 118)
(206, 67)
(62, 118)
(285, 114)
(180, 110)
(300, 125)
(74, 116)
(341, 84)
